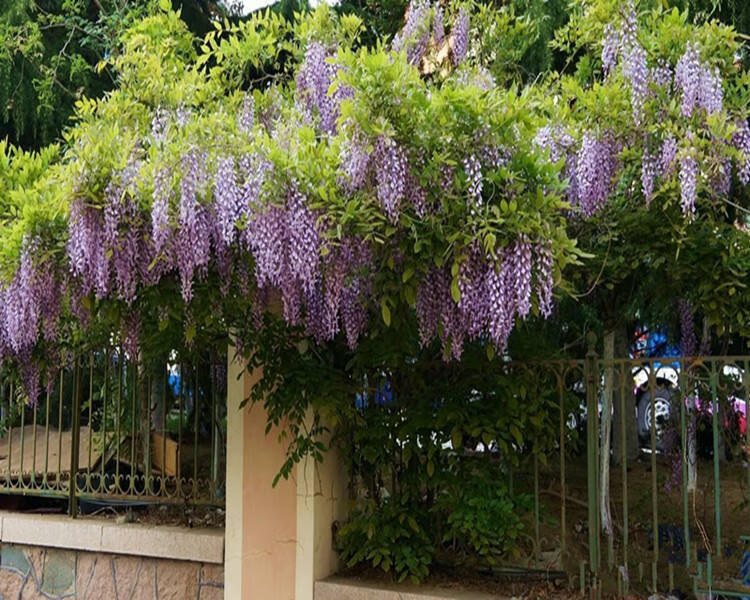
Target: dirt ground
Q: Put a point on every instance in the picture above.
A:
(734, 514)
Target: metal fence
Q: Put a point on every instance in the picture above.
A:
(104, 433)
(670, 507)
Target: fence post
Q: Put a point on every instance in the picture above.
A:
(592, 413)
(75, 431)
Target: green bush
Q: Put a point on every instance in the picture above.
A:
(391, 537)
(481, 518)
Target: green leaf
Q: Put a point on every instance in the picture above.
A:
(165, 5)
(386, 312)
(516, 434)
(455, 291)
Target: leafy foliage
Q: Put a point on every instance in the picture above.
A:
(389, 537)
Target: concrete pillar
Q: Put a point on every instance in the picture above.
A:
(235, 464)
(321, 500)
(278, 540)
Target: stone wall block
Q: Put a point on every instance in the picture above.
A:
(210, 592)
(11, 583)
(13, 557)
(36, 573)
(177, 580)
(212, 574)
(35, 556)
(102, 582)
(145, 587)
(58, 575)
(85, 563)
(126, 570)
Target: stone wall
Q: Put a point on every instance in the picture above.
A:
(31, 572)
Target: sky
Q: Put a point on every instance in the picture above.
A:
(255, 4)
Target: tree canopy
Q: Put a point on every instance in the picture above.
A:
(344, 205)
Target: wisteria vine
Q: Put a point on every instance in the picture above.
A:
(236, 211)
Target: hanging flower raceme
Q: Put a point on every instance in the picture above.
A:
(227, 201)
(314, 79)
(340, 299)
(700, 85)
(460, 35)
(544, 264)
(30, 308)
(438, 27)
(492, 293)
(688, 341)
(160, 228)
(688, 181)
(649, 165)
(610, 48)
(193, 240)
(123, 236)
(474, 179)
(741, 141)
(246, 120)
(390, 173)
(415, 34)
(596, 166)
(86, 249)
(355, 160)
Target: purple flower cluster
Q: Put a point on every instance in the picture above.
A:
(492, 294)
(193, 239)
(159, 124)
(661, 74)
(438, 26)
(246, 120)
(596, 166)
(635, 70)
(701, 86)
(544, 264)
(688, 182)
(473, 172)
(460, 35)
(86, 249)
(417, 196)
(610, 49)
(668, 154)
(741, 141)
(160, 231)
(227, 200)
(415, 34)
(314, 79)
(29, 311)
(721, 182)
(340, 300)
(131, 334)
(649, 165)
(286, 245)
(355, 161)
(555, 141)
(390, 174)
(688, 341)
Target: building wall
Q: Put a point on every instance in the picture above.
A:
(31, 572)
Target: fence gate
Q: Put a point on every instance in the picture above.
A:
(668, 481)
(103, 433)
(647, 487)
